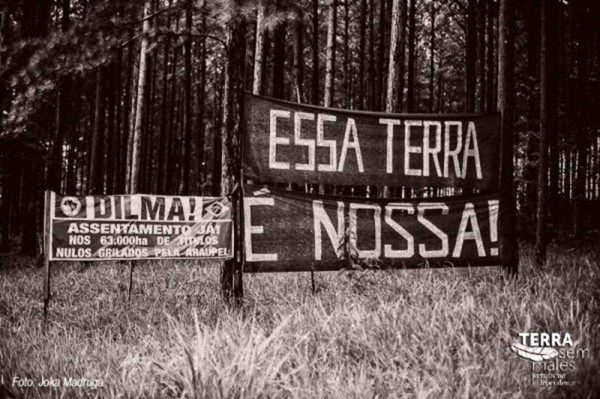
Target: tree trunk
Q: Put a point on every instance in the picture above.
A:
(569, 180)
(201, 130)
(111, 137)
(176, 138)
(506, 107)
(471, 64)
(432, 59)
(330, 55)
(217, 147)
(147, 154)
(128, 118)
(362, 54)
(71, 183)
(163, 148)
(117, 157)
(528, 205)
(348, 66)
(4, 32)
(31, 202)
(532, 144)
(172, 139)
(391, 102)
(531, 10)
(402, 56)
(490, 81)
(56, 160)
(411, 56)
(139, 109)
(95, 176)
(381, 57)
(542, 180)
(186, 152)
(555, 75)
(315, 53)
(481, 59)
(7, 175)
(581, 13)
(440, 96)
(7, 200)
(259, 49)
(233, 97)
(279, 43)
(471, 56)
(372, 72)
(298, 29)
(35, 22)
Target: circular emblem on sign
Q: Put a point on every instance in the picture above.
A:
(70, 206)
(216, 209)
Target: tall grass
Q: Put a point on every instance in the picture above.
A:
(385, 334)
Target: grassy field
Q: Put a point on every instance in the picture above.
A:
(387, 334)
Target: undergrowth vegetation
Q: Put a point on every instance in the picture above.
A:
(423, 334)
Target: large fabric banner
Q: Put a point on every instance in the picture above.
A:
(138, 226)
(294, 143)
(286, 231)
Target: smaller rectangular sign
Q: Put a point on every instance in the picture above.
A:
(287, 231)
(120, 227)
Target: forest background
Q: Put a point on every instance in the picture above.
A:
(102, 97)
(93, 92)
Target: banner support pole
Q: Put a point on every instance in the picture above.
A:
(47, 220)
(238, 283)
(231, 139)
(131, 267)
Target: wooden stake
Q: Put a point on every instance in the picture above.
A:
(238, 267)
(131, 267)
(231, 141)
(48, 203)
(232, 283)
